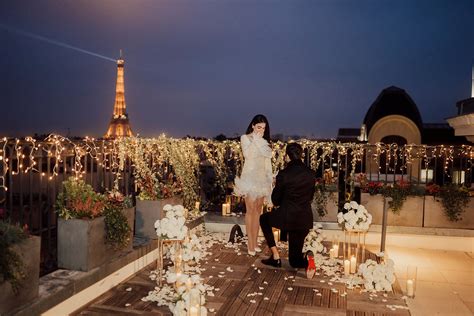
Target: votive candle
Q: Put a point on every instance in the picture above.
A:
(347, 267)
(353, 264)
(410, 288)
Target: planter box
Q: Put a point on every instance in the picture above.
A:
(148, 212)
(411, 213)
(435, 216)
(82, 244)
(29, 251)
(331, 208)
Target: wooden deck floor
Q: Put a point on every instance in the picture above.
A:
(252, 289)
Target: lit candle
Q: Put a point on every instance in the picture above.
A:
(197, 205)
(410, 288)
(331, 253)
(189, 284)
(193, 311)
(353, 264)
(224, 209)
(336, 251)
(178, 280)
(276, 235)
(347, 267)
(228, 208)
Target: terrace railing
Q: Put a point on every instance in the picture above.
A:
(31, 172)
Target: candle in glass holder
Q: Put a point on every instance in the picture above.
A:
(336, 251)
(193, 311)
(347, 267)
(228, 208)
(410, 288)
(197, 205)
(411, 280)
(189, 284)
(353, 264)
(178, 282)
(331, 253)
(224, 209)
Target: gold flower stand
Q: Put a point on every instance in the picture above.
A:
(358, 251)
(178, 244)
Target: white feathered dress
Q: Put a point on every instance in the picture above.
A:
(256, 178)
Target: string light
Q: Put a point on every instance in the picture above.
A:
(154, 157)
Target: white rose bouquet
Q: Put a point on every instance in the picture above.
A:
(172, 226)
(356, 217)
(377, 276)
(314, 240)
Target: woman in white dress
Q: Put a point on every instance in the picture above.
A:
(255, 181)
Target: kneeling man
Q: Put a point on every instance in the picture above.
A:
(292, 197)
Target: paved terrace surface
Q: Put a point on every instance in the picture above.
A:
(284, 291)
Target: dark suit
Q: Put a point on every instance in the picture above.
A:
(292, 196)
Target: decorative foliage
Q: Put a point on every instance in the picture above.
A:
(454, 199)
(314, 240)
(117, 229)
(78, 200)
(378, 276)
(399, 192)
(322, 196)
(172, 226)
(356, 217)
(373, 188)
(12, 268)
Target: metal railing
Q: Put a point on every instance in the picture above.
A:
(31, 173)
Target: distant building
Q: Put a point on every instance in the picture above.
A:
(463, 123)
(394, 118)
(119, 125)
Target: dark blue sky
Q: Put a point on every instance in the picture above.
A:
(204, 67)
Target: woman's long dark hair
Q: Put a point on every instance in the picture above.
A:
(260, 118)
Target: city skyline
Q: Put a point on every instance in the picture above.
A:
(203, 68)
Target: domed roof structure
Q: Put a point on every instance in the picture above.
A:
(393, 101)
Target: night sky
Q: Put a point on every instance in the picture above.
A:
(205, 67)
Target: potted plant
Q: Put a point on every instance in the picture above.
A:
(91, 226)
(154, 195)
(19, 267)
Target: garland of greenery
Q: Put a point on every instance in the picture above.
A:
(454, 200)
(12, 268)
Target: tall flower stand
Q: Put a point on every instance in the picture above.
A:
(178, 244)
(357, 253)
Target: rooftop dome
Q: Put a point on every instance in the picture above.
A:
(393, 101)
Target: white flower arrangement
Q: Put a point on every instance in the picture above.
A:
(356, 218)
(192, 250)
(191, 291)
(377, 276)
(314, 240)
(172, 226)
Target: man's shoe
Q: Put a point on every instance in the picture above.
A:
(272, 262)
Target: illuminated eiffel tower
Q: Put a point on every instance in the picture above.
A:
(119, 125)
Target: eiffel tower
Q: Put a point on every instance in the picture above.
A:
(119, 125)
